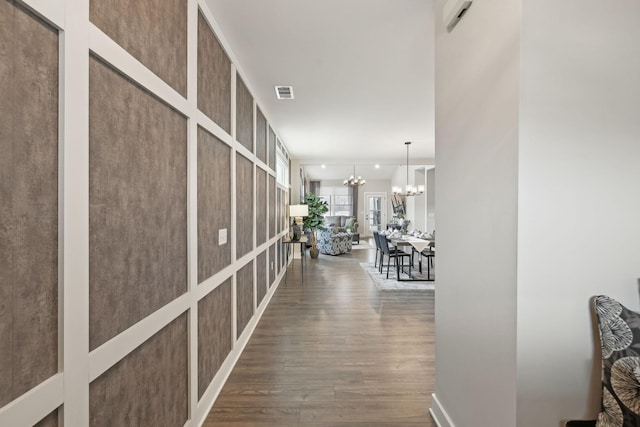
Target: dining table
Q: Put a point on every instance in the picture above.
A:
(419, 244)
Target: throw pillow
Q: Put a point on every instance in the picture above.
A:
(619, 330)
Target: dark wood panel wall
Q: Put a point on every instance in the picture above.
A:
(261, 136)
(280, 256)
(261, 206)
(50, 420)
(244, 114)
(29, 201)
(149, 386)
(244, 292)
(214, 204)
(137, 203)
(215, 335)
(214, 77)
(272, 149)
(244, 203)
(154, 32)
(157, 157)
(280, 203)
(272, 264)
(282, 210)
(261, 277)
(272, 206)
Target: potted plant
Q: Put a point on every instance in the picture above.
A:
(314, 219)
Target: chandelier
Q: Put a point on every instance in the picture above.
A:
(410, 190)
(352, 181)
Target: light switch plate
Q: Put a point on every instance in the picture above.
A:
(222, 236)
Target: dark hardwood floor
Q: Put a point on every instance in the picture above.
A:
(334, 352)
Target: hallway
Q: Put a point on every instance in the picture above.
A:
(333, 351)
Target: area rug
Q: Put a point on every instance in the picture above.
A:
(391, 284)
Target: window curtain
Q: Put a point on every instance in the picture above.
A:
(314, 187)
(353, 192)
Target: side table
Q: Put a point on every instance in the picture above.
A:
(287, 242)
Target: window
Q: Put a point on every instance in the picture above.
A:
(282, 171)
(338, 205)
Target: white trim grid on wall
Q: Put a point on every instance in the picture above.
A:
(69, 388)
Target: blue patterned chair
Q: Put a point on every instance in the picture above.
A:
(334, 241)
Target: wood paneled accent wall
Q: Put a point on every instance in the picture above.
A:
(261, 206)
(261, 135)
(120, 302)
(282, 211)
(137, 203)
(154, 32)
(214, 76)
(244, 114)
(214, 204)
(50, 420)
(273, 202)
(261, 277)
(148, 387)
(215, 336)
(29, 201)
(244, 202)
(244, 291)
(272, 264)
(272, 149)
(280, 256)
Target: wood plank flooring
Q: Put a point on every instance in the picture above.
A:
(333, 351)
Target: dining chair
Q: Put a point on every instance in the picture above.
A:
(395, 254)
(380, 257)
(430, 254)
(427, 252)
(375, 239)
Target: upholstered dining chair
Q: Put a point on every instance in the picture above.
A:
(380, 258)
(395, 254)
(375, 239)
(427, 252)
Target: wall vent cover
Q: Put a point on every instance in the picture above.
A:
(284, 92)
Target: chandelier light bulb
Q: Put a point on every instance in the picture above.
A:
(410, 190)
(353, 181)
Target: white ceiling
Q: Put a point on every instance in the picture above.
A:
(361, 71)
(343, 171)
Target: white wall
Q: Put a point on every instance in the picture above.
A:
(570, 115)
(579, 195)
(476, 208)
(431, 200)
(419, 220)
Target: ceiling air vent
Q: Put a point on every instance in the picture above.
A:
(284, 92)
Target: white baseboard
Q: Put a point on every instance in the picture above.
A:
(438, 413)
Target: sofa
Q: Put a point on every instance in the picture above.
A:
(341, 221)
(334, 241)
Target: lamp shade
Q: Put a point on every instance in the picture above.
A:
(298, 210)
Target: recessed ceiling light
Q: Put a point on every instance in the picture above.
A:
(324, 166)
(377, 166)
(284, 92)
